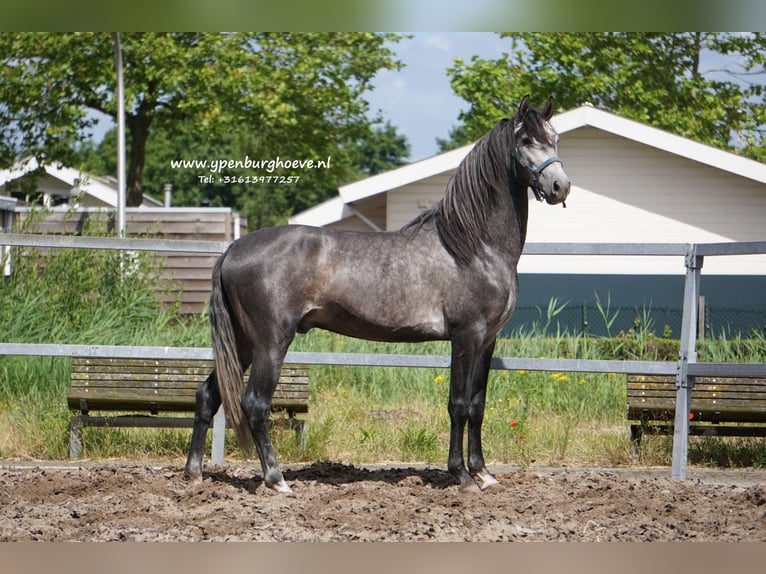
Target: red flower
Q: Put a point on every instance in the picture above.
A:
(514, 424)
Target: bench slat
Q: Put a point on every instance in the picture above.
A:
(713, 399)
(661, 394)
(670, 388)
(158, 385)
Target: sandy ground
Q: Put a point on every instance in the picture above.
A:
(336, 502)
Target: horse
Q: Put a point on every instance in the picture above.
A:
(450, 274)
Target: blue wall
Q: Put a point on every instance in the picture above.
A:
(734, 304)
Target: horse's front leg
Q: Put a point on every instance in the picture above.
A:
(208, 399)
(463, 371)
(476, 465)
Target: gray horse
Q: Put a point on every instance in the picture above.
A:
(448, 275)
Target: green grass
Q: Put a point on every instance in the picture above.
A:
(400, 414)
(357, 414)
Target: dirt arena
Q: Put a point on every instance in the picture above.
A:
(335, 502)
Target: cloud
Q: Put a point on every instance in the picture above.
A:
(438, 41)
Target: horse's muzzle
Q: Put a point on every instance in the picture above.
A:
(559, 192)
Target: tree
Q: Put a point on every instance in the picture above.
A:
(382, 150)
(653, 78)
(293, 94)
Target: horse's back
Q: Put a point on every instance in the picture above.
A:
(381, 285)
(304, 245)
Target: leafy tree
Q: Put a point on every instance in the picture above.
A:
(650, 77)
(292, 95)
(166, 146)
(382, 150)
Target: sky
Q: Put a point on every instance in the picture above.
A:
(418, 99)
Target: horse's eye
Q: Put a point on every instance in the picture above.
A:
(525, 140)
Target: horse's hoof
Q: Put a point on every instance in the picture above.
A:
(282, 488)
(487, 481)
(469, 487)
(193, 477)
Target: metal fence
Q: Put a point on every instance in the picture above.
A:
(685, 369)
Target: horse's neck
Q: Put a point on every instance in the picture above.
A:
(521, 200)
(509, 221)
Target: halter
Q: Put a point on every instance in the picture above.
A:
(534, 171)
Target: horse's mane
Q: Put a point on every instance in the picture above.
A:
(472, 191)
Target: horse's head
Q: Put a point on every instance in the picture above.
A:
(535, 159)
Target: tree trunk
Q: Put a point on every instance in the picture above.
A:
(139, 133)
(698, 41)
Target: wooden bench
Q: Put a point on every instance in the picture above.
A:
(716, 401)
(156, 388)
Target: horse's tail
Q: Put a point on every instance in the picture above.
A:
(228, 367)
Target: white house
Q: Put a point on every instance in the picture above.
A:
(56, 185)
(7, 209)
(630, 183)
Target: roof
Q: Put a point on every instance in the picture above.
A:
(7, 203)
(100, 188)
(403, 175)
(586, 115)
(335, 209)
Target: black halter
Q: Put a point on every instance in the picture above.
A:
(534, 171)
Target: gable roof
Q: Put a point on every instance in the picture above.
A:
(102, 189)
(586, 115)
(404, 175)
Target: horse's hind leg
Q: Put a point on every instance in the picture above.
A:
(256, 402)
(208, 399)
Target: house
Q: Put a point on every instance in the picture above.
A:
(7, 211)
(630, 183)
(53, 184)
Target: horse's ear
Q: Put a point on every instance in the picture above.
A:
(523, 107)
(549, 108)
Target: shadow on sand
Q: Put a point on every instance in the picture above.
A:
(334, 473)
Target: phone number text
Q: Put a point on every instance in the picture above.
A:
(249, 179)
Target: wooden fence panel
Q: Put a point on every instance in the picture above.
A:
(185, 277)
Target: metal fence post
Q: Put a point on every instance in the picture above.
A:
(687, 354)
(219, 435)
